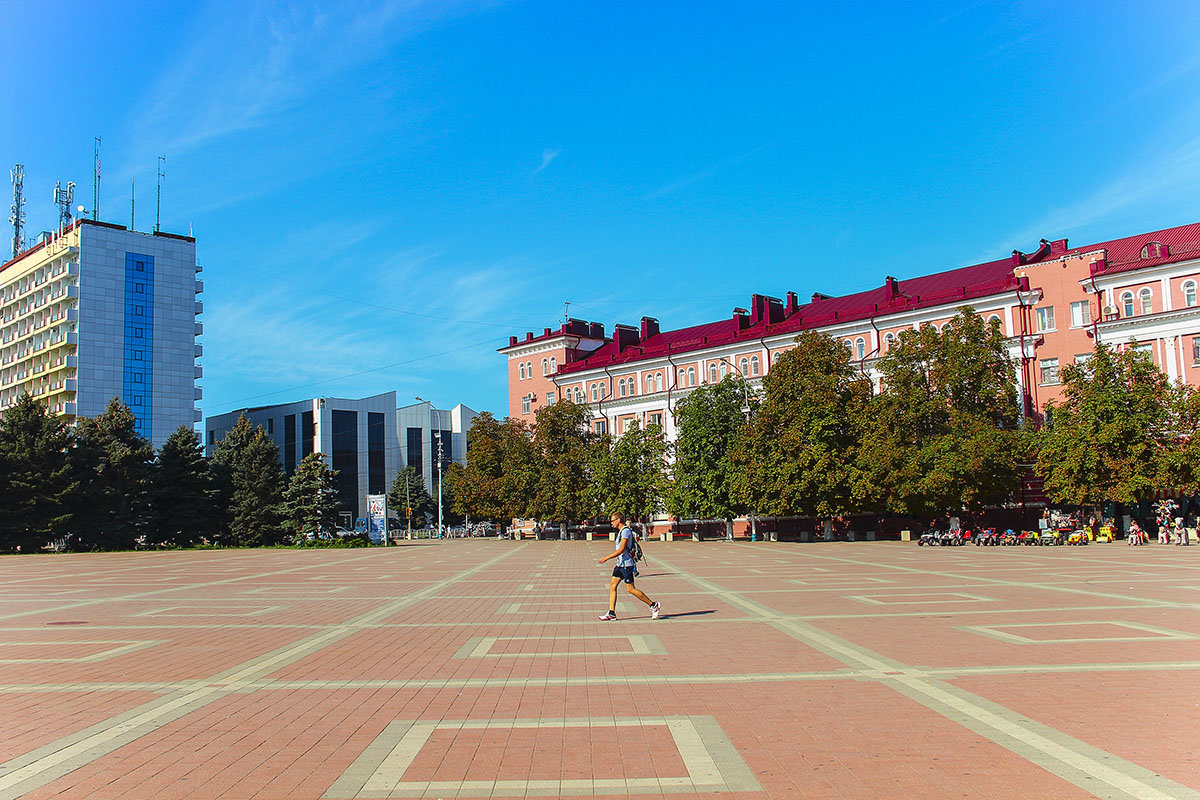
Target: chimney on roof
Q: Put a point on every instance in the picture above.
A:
(512, 341)
(819, 296)
(892, 285)
(649, 327)
(774, 310)
(595, 330)
(793, 303)
(742, 318)
(529, 336)
(545, 332)
(1018, 258)
(1058, 247)
(577, 327)
(1098, 265)
(625, 336)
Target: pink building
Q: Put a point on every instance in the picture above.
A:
(1054, 304)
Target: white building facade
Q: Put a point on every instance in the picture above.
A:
(98, 311)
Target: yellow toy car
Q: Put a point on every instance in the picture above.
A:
(1078, 537)
(1106, 534)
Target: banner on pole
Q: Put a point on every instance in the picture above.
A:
(377, 518)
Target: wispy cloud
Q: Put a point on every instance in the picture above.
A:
(1168, 178)
(706, 173)
(548, 155)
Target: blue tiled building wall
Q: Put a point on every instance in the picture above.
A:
(138, 378)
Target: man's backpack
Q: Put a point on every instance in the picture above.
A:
(635, 547)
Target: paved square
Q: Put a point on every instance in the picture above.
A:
(477, 668)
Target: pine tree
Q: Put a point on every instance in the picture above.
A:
(112, 463)
(251, 483)
(310, 502)
(184, 504)
(417, 497)
(35, 476)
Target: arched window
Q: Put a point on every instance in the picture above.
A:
(578, 396)
(521, 369)
(545, 367)
(724, 368)
(889, 341)
(553, 364)
(743, 367)
(1127, 304)
(1189, 293)
(994, 318)
(682, 381)
(595, 392)
(691, 376)
(621, 387)
(712, 373)
(860, 348)
(649, 384)
(1147, 298)
(1154, 250)
(753, 365)
(658, 381)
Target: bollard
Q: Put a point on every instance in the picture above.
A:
(589, 536)
(906, 536)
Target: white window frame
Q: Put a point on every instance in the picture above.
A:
(860, 348)
(691, 373)
(1048, 372)
(1127, 303)
(754, 365)
(889, 341)
(521, 369)
(1081, 314)
(525, 404)
(1146, 300)
(595, 392)
(545, 367)
(1045, 319)
(712, 373)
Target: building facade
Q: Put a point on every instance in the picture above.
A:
(367, 441)
(424, 429)
(1053, 304)
(97, 311)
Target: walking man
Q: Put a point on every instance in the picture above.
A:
(625, 570)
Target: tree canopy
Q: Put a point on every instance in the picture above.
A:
(707, 423)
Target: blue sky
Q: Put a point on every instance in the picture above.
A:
(383, 192)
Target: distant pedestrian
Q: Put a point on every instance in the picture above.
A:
(625, 570)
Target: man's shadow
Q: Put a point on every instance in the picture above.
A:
(688, 614)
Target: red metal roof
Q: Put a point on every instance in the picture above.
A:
(951, 286)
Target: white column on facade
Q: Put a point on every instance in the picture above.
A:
(1008, 323)
(1020, 390)
(1167, 348)
(1166, 293)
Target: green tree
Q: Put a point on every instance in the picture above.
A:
(1106, 438)
(183, 500)
(631, 475)
(708, 422)
(517, 490)
(945, 431)
(478, 485)
(113, 464)
(563, 446)
(1180, 459)
(799, 455)
(35, 476)
(310, 501)
(251, 482)
(417, 496)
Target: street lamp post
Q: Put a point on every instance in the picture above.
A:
(438, 435)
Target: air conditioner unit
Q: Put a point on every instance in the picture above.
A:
(1109, 311)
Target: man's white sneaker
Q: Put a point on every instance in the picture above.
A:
(654, 609)
(608, 615)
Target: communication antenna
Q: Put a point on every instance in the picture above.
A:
(566, 310)
(63, 198)
(162, 160)
(18, 210)
(132, 195)
(96, 181)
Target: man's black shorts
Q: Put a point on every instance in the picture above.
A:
(626, 574)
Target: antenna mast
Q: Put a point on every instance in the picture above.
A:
(18, 210)
(132, 196)
(63, 198)
(566, 310)
(158, 203)
(96, 181)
